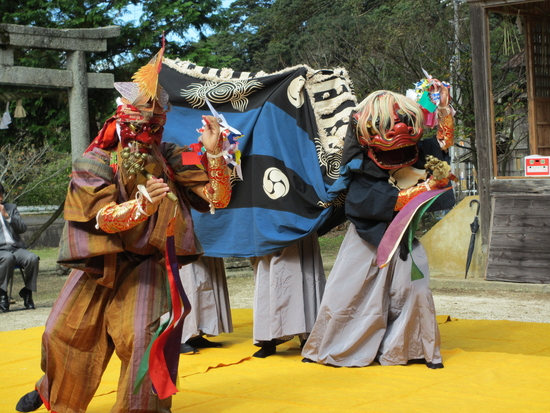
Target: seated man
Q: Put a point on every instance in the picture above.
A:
(13, 251)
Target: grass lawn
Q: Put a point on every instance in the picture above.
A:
(48, 259)
(330, 245)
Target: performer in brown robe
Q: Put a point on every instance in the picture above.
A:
(124, 191)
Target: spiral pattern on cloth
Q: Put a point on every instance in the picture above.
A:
(235, 92)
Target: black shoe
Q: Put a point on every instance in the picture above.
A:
(428, 365)
(268, 349)
(201, 342)
(29, 402)
(187, 349)
(26, 295)
(4, 303)
(306, 360)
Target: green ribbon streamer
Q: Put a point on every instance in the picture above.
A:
(416, 273)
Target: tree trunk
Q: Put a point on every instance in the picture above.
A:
(46, 224)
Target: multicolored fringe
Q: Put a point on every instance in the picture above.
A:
(162, 356)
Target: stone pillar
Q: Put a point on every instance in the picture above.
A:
(6, 56)
(78, 103)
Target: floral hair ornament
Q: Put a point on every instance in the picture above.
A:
(230, 145)
(428, 101)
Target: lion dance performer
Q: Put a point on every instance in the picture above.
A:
(128, 228)
(372, 312)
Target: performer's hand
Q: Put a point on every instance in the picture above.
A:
(433, 183)
(436, 87)
(157, 190)
(3, 212)
(438, 168)
(211, 135)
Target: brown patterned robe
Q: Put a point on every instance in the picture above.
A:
(116, 292)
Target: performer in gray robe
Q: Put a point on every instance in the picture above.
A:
(289, 285)
(205, 284)
(370, 314)
(383, 314)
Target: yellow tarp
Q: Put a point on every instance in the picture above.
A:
(490, 366)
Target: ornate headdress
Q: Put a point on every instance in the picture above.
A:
(389, 125)
(141, 101)
(145, 92)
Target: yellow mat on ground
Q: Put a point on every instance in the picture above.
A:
(490, 366)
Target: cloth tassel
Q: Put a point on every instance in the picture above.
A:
(6, 118)
(19, 111)
(161, 359)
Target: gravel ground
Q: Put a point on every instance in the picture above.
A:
(484, 301)
(494, 305)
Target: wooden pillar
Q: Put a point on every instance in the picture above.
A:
(483, 98)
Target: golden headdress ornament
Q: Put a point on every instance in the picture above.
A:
(145, 92)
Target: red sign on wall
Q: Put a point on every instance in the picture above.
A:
(536, 165)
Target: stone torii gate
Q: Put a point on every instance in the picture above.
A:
(76, 42)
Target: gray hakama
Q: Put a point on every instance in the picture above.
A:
(370, 314)
(205, 284)
(289, 285)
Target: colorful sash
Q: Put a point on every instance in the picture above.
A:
(407, 218)
(161, 358)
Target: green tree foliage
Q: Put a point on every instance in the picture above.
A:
(140, 39)
(34, 175)
(510, 88)
(142, 27)
(239, 42)
(383, 44)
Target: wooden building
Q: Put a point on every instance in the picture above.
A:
(515, 211)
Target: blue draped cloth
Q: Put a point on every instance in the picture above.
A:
(293, 124)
